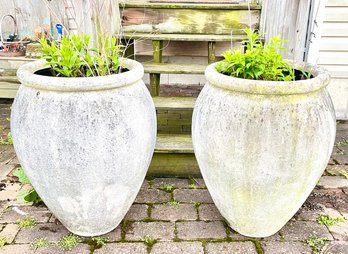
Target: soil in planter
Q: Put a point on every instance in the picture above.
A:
(48, 72)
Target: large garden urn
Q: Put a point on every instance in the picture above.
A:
(262, 145)
(85, 143)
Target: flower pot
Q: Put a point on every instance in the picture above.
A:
(85, 143)
(262, 145)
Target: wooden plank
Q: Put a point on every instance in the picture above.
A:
(174, 165)
(186, 21)
(185, 48)
(334, 43)
(183, 37)
(337, 71)
(329, 57)
(174, 68)
(336, 14)
(217, 5)
(8, 90)
(173, 143)
(335, 29)
(211, 52)
(169, 103)
(337, 3)
(289, 19)
(9, 79)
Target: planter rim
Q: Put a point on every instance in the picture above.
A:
(321, 80)
(27, 78)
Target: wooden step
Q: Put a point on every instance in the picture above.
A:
(161, 68)
(182, 37)
(174, 156)
(174, 143)
(153, 4)
(8, 89)
(10, 79)
(177, 103)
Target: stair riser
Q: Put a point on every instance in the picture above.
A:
(174, 165)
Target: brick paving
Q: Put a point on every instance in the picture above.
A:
(155, 224)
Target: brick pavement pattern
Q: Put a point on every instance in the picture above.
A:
(181, 219)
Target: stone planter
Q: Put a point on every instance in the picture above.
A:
(262, 146)
(85, 143)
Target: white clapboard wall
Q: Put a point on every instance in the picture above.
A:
(331, 51)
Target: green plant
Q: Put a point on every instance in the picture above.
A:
(316, 243)
(27, 222)
(3, 241)
(68, 242)
(167, 187)
(342, 142)
(40, 242)
(7, 140)
(73, 56)
(344, 174)
(27, 195)
(327, 220)
(148, 240)
(174, 203)
(260, 61)
(192, 182)
(99, 241)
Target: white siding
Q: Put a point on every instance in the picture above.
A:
(333, 53)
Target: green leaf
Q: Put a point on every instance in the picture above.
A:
(22, 177)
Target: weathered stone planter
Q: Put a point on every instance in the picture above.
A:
(262, 146)
(85, 143)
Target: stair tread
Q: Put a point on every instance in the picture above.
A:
(174, 102)
(9, 79)
(183, 37)
(174, 143)
(174, 68)
(153, 4)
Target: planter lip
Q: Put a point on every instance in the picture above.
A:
(264, 87)
(27, 78)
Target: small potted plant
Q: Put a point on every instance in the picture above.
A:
(263, 130)
(84, 130)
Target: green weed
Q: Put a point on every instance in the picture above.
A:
(167, 187)
(69, 241)
(27, 222)
(327, 220)
(316, 243)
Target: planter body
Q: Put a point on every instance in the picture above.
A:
(85, 143)
(262, 146)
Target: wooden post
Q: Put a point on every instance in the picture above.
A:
(211, 52)
(289, 19)
(155, 78)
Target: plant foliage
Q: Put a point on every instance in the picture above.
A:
(259, 62)
(73, 56)
(27, 195)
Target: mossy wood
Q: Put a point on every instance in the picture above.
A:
(174, 68)
(183, 37)
(167, 164)
(200, 5)
(188, 21)
(170, 103)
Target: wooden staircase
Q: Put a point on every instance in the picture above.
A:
(159, 23)
(180, 22)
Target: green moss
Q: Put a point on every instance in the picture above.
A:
(316, 243)
(149, 241)
(344, 174)
(169, 188)
(327, 220)
(258, 247)
(3, 241)
(174, 203)
(69, 242)
(40, 243)
(27, 222)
